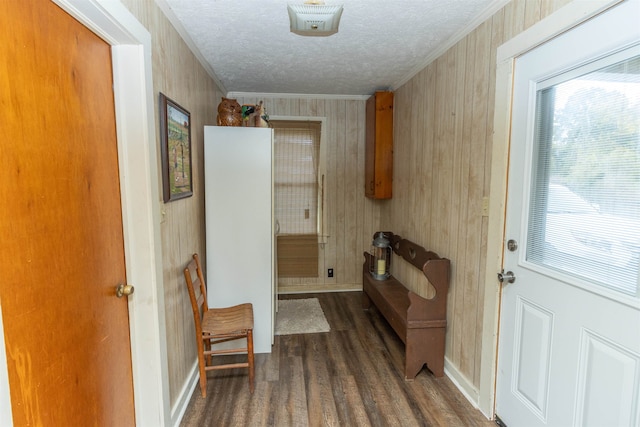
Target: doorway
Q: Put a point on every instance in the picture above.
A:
(66, 333)
(131, 53)
(569, 351)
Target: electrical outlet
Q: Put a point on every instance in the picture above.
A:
(330, 272)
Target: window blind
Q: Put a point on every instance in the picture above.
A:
(296, 153)
(296, 161)
(585, 202)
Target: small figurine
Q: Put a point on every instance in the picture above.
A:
(229, 112)
(254, 116)
(262, 118)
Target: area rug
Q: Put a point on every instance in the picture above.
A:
(300, 316)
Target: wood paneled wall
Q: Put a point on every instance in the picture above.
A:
(179, 75)
(351, 217)
(442, 164)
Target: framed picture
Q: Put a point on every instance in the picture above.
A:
(175, 134)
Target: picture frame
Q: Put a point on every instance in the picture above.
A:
(175, 147)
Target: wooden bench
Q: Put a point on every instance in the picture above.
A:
(419, 322)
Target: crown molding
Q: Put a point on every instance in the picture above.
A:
(173, 19)
(297, 96)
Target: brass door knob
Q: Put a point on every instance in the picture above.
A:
(122, 290)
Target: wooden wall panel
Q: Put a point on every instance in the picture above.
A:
(444, 119)
(178, 74)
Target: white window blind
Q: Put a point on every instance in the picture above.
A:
(585, 202)
(296, 153)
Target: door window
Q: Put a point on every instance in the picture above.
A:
(585, 199)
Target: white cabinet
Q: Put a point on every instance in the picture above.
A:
(239, 223)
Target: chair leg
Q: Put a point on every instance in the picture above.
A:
(203, 375)
(207, 347)
(250, 360)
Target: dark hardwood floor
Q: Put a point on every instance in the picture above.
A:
(350, 376)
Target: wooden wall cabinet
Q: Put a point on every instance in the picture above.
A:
(379, 146)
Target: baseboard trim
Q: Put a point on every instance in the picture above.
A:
(468, 390)
(317, 289)
(178, 410)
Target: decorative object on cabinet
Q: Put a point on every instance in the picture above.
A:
(175, 150)
(262, 118)
(419, 322)
(218, 325)
(379, 146)
(254, 116)
(229, 112)
(247, 112)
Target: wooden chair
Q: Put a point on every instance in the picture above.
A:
(218, 325)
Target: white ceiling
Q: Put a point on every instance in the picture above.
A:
(247, 46)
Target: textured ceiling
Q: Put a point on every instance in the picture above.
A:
(380, 44)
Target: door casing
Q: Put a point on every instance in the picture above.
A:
(135, 122)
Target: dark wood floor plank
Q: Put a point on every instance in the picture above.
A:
(261, 408)
(371, 377)
(320, 402)
(292, 404)
(336, 309)
(426, 395)
(267, 368)
(352, 375)
(355, 411)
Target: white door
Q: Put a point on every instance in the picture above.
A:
(569, 348)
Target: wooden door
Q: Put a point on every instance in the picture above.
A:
(66, 334)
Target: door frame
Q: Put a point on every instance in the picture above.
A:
(138, 169)
(557, 23)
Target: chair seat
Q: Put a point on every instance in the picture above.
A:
(220, 321)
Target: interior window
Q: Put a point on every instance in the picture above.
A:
(298, 196)
(296, 152)
(585, 204)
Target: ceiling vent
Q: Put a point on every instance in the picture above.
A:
(314, 18)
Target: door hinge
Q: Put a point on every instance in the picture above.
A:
(499, 421)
